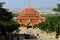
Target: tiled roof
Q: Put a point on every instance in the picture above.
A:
(29, 13)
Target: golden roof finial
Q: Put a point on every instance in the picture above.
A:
(29, 6)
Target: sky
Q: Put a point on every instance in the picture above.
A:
(15, 5)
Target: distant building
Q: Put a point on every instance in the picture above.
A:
(29, 18)
(48, 12)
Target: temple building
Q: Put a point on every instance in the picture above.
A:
(29, 18)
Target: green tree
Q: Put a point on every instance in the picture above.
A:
(7, 25)
(1, 4)
(52, 24)
(57, 9)
(47, 26)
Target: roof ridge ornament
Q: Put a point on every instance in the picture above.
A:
(29, 20)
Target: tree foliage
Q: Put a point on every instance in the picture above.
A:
(5, 19)
(5, 15)
(8, 26)
(6, 22)
(1, 4)
(52, 24)
(57, 9)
